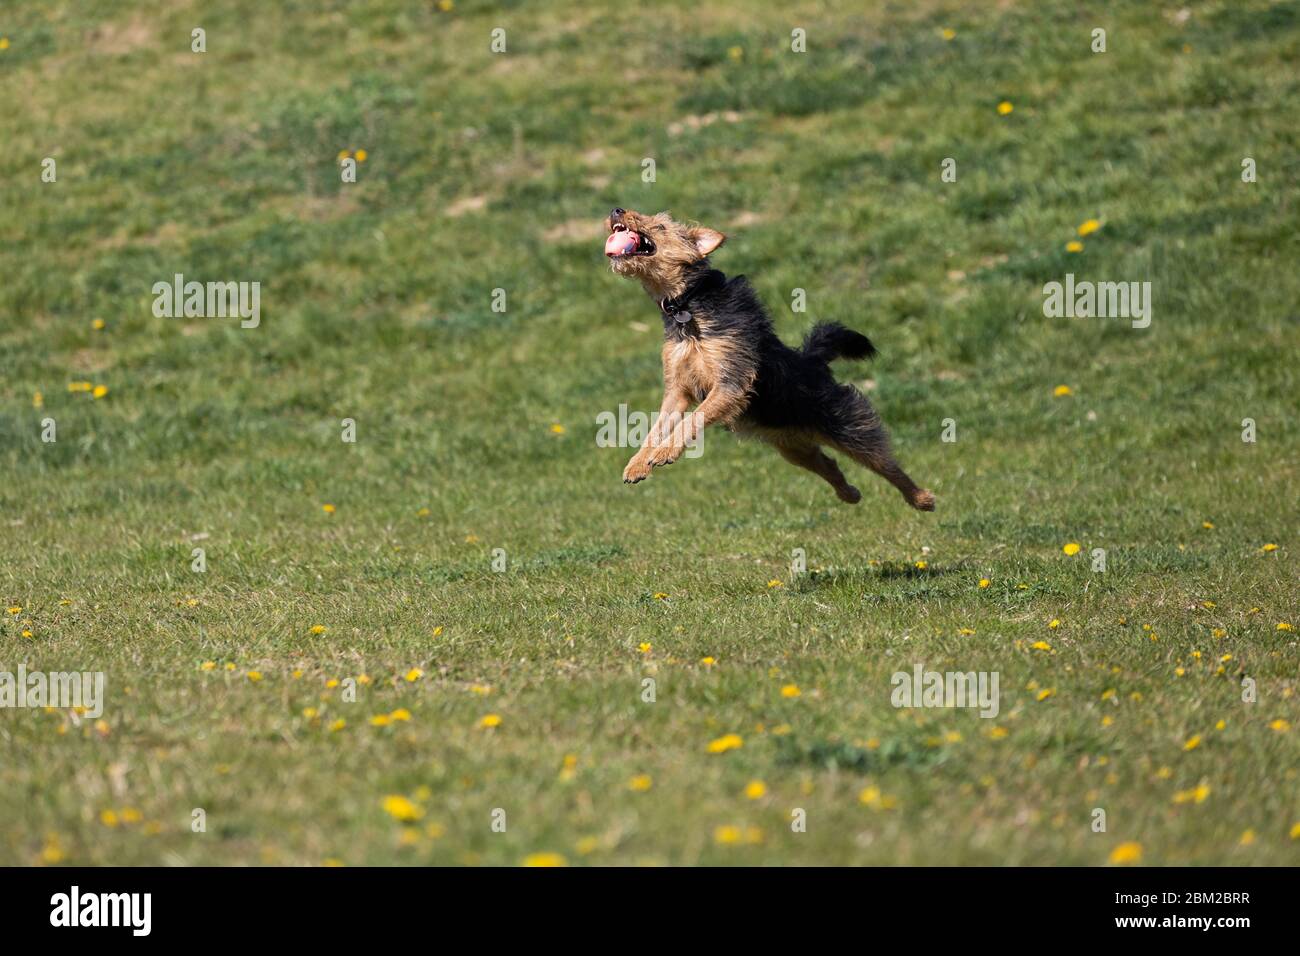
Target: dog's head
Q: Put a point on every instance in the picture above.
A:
(656, 249)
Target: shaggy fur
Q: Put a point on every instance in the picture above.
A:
(721, 353)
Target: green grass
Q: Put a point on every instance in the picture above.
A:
(489, 172)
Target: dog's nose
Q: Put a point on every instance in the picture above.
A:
(615, 214)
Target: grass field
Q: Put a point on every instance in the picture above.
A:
(522, 690)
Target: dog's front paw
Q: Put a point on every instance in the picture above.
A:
(666, 454)
(637, 469)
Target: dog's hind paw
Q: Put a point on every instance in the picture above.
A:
(922, 499)
(849, 495)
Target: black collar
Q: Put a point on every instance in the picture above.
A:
(675, 309)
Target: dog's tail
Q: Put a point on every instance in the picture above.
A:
(829, 340)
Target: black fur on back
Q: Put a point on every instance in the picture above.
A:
(789, 388)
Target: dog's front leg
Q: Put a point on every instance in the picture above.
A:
(722, 405)
(670, 415)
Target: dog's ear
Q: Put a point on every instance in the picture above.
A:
(705, 239)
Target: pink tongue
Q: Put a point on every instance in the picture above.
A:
(621, 243)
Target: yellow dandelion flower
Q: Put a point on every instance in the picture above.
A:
(38, 400)
(97, 325)
(640, 783)
(489, 720)
(545, 859)
(791, 690)
(446, 5)
(79, 386)
(15, 610)
(1062, 390)
(1125, 853)
(1280, 725)
(1071, 549)
(380, 720)
(1005, 107)
(775, 583)
(52, 851)
(254, 676)
(1046, 693)
(318, 629)
(400, 714)
(423, 513)
(1247, 837)
(1269, 547)
(1089, 227)
(755, 790)
(587, 845)
(947, 33)
(1054, 623)
(413, 675)
(1192, 742)
(726, 742)
(707, 661)
(208, 666)
(109, 818)
(727, 835)
(645, 648)
(1107, 720)
(984, 582)
(661, 596)
(736, 52)
(400, 808)
(1295, 831)
(338, 725)
(1041, 646)
(311, 713)
(872, 797)
(997, 733)
(1284, 625)
(361, 155)
(1074, 245)
(327, 508)
(1220, 725)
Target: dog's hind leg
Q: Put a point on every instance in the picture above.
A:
(819, 463)
(862, 437)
